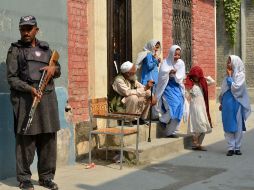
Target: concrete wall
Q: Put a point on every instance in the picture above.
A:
(7, 139)
(97, 52)
(52, 21)
(243, 47)
(224, 49)
(249, 43)
(146, 24)
(53, 27)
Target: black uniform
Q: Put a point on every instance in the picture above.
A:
(23, 72)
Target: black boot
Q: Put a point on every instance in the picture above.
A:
(238, 152)
(26, 185)
(230, 153)
(48, 184)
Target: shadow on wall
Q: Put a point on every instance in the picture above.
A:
(4, 87)
(7, 138)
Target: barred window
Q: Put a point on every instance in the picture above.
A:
(182, 29)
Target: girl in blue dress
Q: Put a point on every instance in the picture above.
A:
(148, 61)
(170, 91)
(235, 104)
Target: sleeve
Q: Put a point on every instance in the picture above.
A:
(141, 90)
(162, 79)
(150, 62)
(238, 85)
(121, 88)
(180, 73)
(229, 81)
(13, 71)
(239, 81)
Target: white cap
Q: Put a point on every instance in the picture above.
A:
(126, 66)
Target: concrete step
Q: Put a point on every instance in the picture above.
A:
(156, 132)
(158, 148)
(131, 139)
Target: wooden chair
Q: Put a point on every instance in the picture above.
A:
(98, 108)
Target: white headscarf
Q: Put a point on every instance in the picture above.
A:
(126, 66)
(148, 48)
(167, 65)
(238, 87)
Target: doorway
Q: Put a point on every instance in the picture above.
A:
(119, 37)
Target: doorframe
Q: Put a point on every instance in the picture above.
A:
(110, 38)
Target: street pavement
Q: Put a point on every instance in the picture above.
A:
(185, 170)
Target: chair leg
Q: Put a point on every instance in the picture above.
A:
(106, 147)
(121, 144)
(90, 148)
(121, 157)
(137, 142)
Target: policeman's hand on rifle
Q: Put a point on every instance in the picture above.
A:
(36, 93)
(50, 71)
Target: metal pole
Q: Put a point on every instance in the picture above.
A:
(150, 117)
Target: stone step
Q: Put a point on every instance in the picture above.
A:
(131, 138)
(156, 132)
(158, 148)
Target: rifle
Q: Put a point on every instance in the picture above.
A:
(41, 87)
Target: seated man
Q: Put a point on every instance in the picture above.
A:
(130, 96)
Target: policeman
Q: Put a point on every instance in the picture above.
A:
(26, 60)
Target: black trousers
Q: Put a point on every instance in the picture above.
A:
(45, 146)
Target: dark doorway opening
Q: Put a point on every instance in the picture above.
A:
(119, 47)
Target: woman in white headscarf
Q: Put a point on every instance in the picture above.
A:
(235, 104)
(170, 91)
(148, 61)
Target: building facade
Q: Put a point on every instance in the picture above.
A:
(244, 41)
(94, 37)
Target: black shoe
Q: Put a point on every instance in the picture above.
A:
(238, 152)
(141, 122)
(163, 125)
(48, 184)
(199, 148)
(173, 136)
(26, 185)
(230, 153)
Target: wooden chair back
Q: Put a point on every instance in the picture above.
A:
(98, 106)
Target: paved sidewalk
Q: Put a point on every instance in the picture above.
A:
(186, 170)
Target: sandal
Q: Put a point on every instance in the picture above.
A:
(199, 148)
(90, 166)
